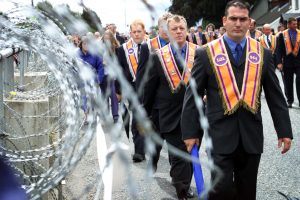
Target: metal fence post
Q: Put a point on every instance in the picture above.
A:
(8, 76)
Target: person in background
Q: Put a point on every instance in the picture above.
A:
(200, 37)
(142, 74)
(113, 29)
(93, 61)
(129, 56)
(108, 86)
(191, 36)
(210, 33)
(222, 31)
(252, 32)
(10, 187)
(164, 91)
(288, 59)
(97, 36)
(268, 40)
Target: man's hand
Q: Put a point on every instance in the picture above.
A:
(189, 143)
(119, 97)
(286, 144)
(205, 99)
(280, 66)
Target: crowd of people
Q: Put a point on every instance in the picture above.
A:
(231, 65)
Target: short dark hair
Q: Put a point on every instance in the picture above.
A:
(236, 3)
(291, 19)
(200, 27)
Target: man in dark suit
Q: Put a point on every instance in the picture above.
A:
(113, 29)
(129, 56)
(200, 36)
(143, 72)
(191, 37)
(233, 105)
(288, 59)
(164, 90)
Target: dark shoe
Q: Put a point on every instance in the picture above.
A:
(190, 194)
(290, 105)
(184, 198)
(138, 157)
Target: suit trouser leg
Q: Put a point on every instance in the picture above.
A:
(289, 84)
(239, 175)
(298, 83)
(126, 119)
(138, 139)
(158, 147)
(181, 169)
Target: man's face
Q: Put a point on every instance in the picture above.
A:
(162, 30)
(267, 30)
(210, 29)
(293, 25)
(137, 33)
(178, 31)
(252, 25)
(236, 23)
(200, 30)
(192, 30)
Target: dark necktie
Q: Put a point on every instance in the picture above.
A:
(293, 38)
(269, 42)
(139, 51)
(238, 51)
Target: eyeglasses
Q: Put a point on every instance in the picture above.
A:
(241, 19)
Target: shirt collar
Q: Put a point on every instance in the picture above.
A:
(232, 44)
(182, 50)
(135, 45)
(162, 41)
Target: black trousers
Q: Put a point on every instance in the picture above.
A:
(239, 175)
(138, 139)
(181, 170)
(288, 78)
(158, 147)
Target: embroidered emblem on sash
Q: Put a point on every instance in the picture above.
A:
(131, 58)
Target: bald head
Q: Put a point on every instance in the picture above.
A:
(252, 25)
(267, 29)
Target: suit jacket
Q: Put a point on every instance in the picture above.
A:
(227, 131)
(125, 67)
(194, 39)
(120, 39)
(288, 61)
(142, 72)
(158, 95)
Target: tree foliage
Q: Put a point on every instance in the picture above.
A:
(193, 10)
(64, 22)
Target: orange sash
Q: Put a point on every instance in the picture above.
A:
(190, 36)
(199, 40)
(273, 42)
(209, 38)
(257, 34)
(288, 43)
(131, 58)
(172, 73)
(154, 44)
(231, 96)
